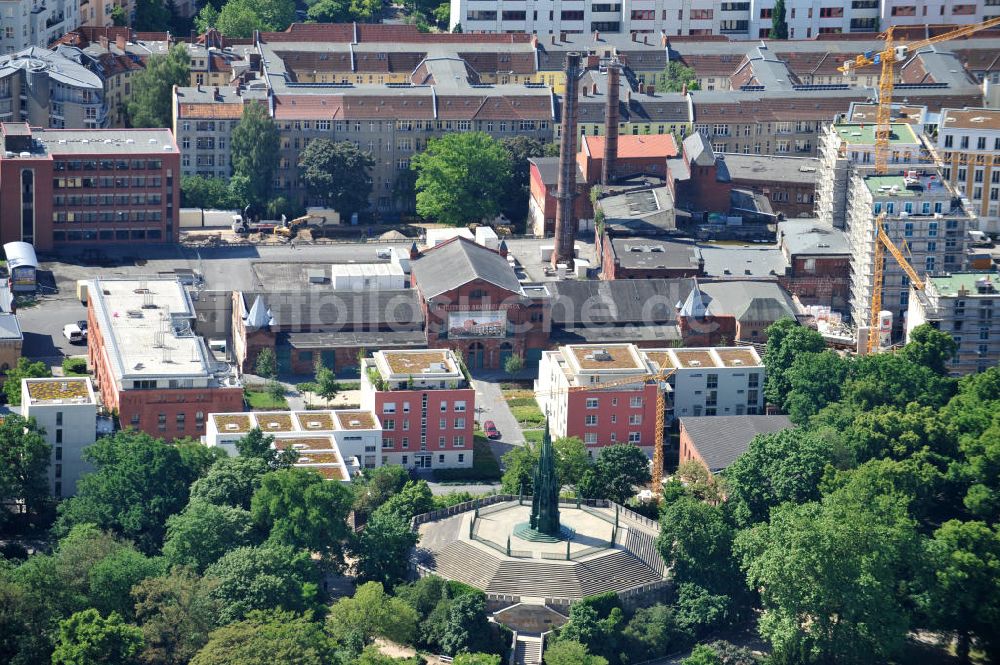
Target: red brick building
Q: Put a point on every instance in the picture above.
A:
(149, 367)
(543, 178)
(60, 186)
(819, 261)
(473, 303)
(716, 441)
(645, 155)
(425, 404)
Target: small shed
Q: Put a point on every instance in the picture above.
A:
(23, 264)
(437, 236)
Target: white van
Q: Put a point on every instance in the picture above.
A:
(72, 332)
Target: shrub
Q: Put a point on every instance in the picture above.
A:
(74, 366)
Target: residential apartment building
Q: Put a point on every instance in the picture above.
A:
(968, 150)
(337, 444)
(27, 23)
(967, 305)
(204, 118)
(923, 214)
(149, 366)
(737, 20)
(65, 408)
(426, 405)
(704, 382)
(60, 186)
(57, 89)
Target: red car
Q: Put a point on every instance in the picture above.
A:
(491, 430)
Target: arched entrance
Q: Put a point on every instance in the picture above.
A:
(506, 351)
(476, 356)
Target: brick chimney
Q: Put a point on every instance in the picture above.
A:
(611, 114)
(565, 232)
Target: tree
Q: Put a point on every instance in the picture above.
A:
(653, 632)
(677, 77)
(699, 611)
(467, 628)
(461, 178)
(832, 576)
(777, 467)
(618, 470)
(326, 383)
(570, 653)
(254, 147)
(415, 498)
(964, 595)
(265, 366)
(269, 638)
(337, 173)
(891, 378)
(779, 27)
(149, 104)
(982, 470)
(202, 192)
(814, 380)
(383, 547)
(372, 655)
(263, 578)
(203, 532)
(930, 347)
(513, 364)
(786, 340)
(696, 543)
(24, 369)
(276, 391)
(24, 464)
(88, 639)
(371, 613)
(519, 466)
(519, 150)
(476, 659)
(572, 460)
(118, 16)
(697, 481)
(112, 578)
(257, 445)
(139, 482)
(207, 18)
(299, 508)
(239, 18)
(703, 654)
(153, 15)
(176, 613)
(377, 486)
(232, 481)
(599, 634)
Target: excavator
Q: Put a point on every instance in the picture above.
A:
(288, 229)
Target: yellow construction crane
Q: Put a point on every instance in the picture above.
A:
(890, 54)
(660, 378)
(884, 242)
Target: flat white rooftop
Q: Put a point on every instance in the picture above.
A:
(365, 269)
(146, 328)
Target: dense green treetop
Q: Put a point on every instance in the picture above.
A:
(152, 88)
(338, 174)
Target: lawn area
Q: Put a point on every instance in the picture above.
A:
(485, 466)
(524, 407)
(533, 436)
(261, 401)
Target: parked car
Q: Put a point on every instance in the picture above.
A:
(72, 332)
(491, 430)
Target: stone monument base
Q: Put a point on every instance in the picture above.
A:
(524, 531)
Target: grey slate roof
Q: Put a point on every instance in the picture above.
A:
(808, 236)
(745, 261)
(458, 262)
(335, 311)
(719, 440)
(749, 301)
(699, 150)
(642, 252)
(771, 168)
(647, 301)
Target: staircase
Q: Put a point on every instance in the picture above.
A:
(528, 650)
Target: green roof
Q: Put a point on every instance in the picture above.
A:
(874, 182)
(950, 285)
(864, 134)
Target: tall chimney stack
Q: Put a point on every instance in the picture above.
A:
(565, 232)
(611, 124)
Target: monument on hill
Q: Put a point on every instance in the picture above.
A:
(545, 498)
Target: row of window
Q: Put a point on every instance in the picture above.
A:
(121, 182)
(389, 442)
(121, 234)
(949, 142)
(590, 420)
(422, 461)
(180, 420)
(106, 164)
(590, 438)
(389, 424)
(633, 402)
(151, 198)
(390, 407)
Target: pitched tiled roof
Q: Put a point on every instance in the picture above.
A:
(712, 65)
(629, 146)
(719, 440)
(308, 107)
(309, 61)
(457, 262)
(471, 107)
(312, 32)
(822, 63)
